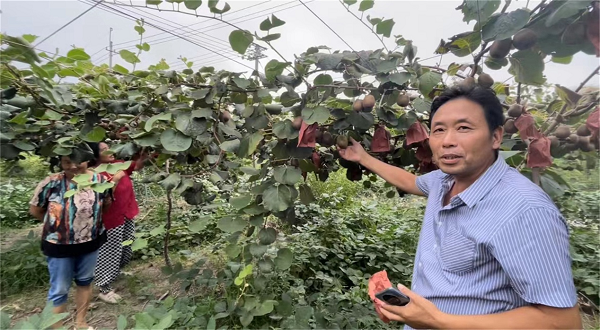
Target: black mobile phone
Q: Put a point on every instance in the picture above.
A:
(393, 296)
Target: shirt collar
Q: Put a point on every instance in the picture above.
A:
(482, 185)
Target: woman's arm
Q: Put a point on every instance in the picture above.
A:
(37, 212)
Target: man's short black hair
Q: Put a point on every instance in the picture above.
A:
(485, 97)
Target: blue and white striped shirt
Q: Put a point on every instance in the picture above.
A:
(498, 245)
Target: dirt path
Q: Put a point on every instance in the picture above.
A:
(12, 235)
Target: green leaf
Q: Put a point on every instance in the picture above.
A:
(387, 66)
(95, 135)
(306, 194)
(225, 9)
(350, 2)
(400, 78)
(566, 10)
(323, 79)
(265, 308)
(265, 25)
(241, 201)
(25, 146)
(422, 106)
(505, 25)
(230, 146)
(319, 115)
(78, 54)
(164, 323)
(287, 175)
(157, 231)
(165, 116)
(285, 130)
(278, 198)
(528, 67)
(171, 182)
(231, 224)
(240, 40)
(428, 81)
(30, 38)
(284, 259)
(102, 187)
(129, 57)
(249, 144)
(562, 60)
(276, 22)
(233, 250)
(139, 244)
(192, 4)
(153, 2)
(274, 68)
(173, 140)
(199, 225)
(121, 323)
(479, 10)
(19, 119)
(267, 236)
(69, 193)
(241, 82)
(366, 5)
(189, 125)
(385, 27)
(212, 323)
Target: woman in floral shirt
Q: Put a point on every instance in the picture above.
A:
(72, 232)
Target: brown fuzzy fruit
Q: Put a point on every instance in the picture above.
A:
(342, 141)
(358, 105)
(485, 80)
(554, 142)
(562, 132)
(326, 139)
(583, 141)
(297, 123)
(573, 138)
(571, 146)
(500, 48)
(583, 131)
(587, 147)
(509, 127)
(403, 100)
(468, 82)
(368, 103)
(515, 110)
(524, 39)
(225, 116)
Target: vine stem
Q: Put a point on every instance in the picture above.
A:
(365, 24)
(564, 108)
(519, 93)
(168, 225)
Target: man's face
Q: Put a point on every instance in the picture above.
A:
(72, 168)
(105, 158)
(460, 139)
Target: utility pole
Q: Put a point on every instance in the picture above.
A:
(110, 48)
(255, 54)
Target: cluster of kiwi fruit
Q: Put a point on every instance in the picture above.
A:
(514, 112)
(366, 105)
(522, 40)
(581, 139)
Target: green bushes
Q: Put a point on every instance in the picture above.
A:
(14, 204)
(23, 266)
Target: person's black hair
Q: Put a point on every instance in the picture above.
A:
(95, 146)
(485, 97)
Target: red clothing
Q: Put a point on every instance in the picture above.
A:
(124, 204)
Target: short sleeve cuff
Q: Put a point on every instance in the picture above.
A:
(423, 182)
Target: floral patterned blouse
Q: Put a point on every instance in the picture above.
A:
(72, 225)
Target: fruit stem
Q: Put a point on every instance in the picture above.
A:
(519, 93)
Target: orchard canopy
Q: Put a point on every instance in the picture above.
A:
(275, 127)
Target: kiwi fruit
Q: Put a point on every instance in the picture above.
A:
(485, 80)
(295, 162)
(357, 105)
(500, 48)
(574, 34)
(562, 132)
(583, 141)
(326, 139)
(403, 100)
(342, 141)
(515, 110)
(468, 82)
(587, 147)
(583, 131)
(368, 103)
(573, 138)
(297, 123)
(509, 127)
(524, 39)
(571, 146)
(554, 142)
(225, 116)
(318, 136)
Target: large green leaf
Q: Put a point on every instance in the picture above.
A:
(231, 224)
(189, 125)
(165, 116)
(240, 40)
(278, 198)
(567, 9)
(385, 27)
(479, 10)
(192, 4)
(319, 115)
(400, 78)
(241, 201)
(428, 81)
(173, 140)
(171, 182)
(284, 259)
(97, 134)
(361, 120)
(230, 146)
(274, 68)
(78, 54)
(285, 130)
(198, 225)
(249, 143)
(129, 57)
(366, 5)
(505, 25)
(306, 194)
(528, 67)
(267, 236)
(287, 175)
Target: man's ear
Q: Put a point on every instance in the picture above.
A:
(497, 137)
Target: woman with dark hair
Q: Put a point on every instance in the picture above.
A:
(73, 231)
(119, 224)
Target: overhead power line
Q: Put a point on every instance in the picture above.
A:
(183, 38)
(67, 24)
(327, 25)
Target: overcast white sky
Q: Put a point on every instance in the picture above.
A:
(425, 22)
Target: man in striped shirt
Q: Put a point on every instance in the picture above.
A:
(494, 249)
